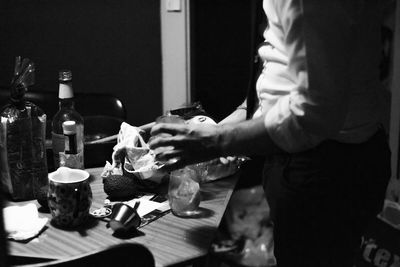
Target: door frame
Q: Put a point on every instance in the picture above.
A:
(175, 43)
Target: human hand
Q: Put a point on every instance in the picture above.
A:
(184, 144)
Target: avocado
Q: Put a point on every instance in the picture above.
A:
(119, 187)
(41, 197)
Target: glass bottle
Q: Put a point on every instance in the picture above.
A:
(65, 113)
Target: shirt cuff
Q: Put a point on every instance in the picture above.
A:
(284, 129)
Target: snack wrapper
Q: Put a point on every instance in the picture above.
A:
(23, 164)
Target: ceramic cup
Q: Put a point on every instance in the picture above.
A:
(69, 196)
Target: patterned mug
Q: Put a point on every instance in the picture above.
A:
(69, 196)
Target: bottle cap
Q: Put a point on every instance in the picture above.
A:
(65, 89)
(65, 75)
(69, 127)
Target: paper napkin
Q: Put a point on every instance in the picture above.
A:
(22, 222)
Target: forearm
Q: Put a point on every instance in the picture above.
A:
(238, 115)
(246, 138)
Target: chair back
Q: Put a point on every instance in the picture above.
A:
(102, 114)
(126, 254)
(87, 104)
(3, 242)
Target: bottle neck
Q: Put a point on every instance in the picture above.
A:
(66, 95)
(66, 103)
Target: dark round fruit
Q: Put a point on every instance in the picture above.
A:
(119, 187)
(41, 196)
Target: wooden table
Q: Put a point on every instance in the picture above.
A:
(171, 239)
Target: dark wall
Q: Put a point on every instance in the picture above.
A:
(110, 46)
(221, 42)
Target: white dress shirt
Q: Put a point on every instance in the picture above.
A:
(320, 77)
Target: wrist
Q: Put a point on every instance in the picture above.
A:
(223, 138)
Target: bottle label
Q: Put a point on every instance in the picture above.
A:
(58, 143)
(61, 150)
(70, 144)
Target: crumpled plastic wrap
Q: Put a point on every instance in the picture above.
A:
(218, 168)
(132, 156)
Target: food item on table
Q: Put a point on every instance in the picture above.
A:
(23, 165)
(41, 197)
(119, 186)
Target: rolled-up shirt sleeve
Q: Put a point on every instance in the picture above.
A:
(317, 39)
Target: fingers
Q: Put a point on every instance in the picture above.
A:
(167, 140)
(174, 165)
(172, 159)
(169, 128)
(169, 155)
(227, 160)
(147, 127)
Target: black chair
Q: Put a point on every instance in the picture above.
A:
(126, 254)
(3, 243)
(102, 113)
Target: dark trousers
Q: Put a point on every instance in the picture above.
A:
(321, 200)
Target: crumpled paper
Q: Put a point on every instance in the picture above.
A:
(23, 222)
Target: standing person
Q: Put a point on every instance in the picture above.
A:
(318, 123)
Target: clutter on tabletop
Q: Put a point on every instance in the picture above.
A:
(22, 143)
(139, 158)
(22, 222)
(124, 218)
(148, 207)
(135, 168)
(133, 165)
